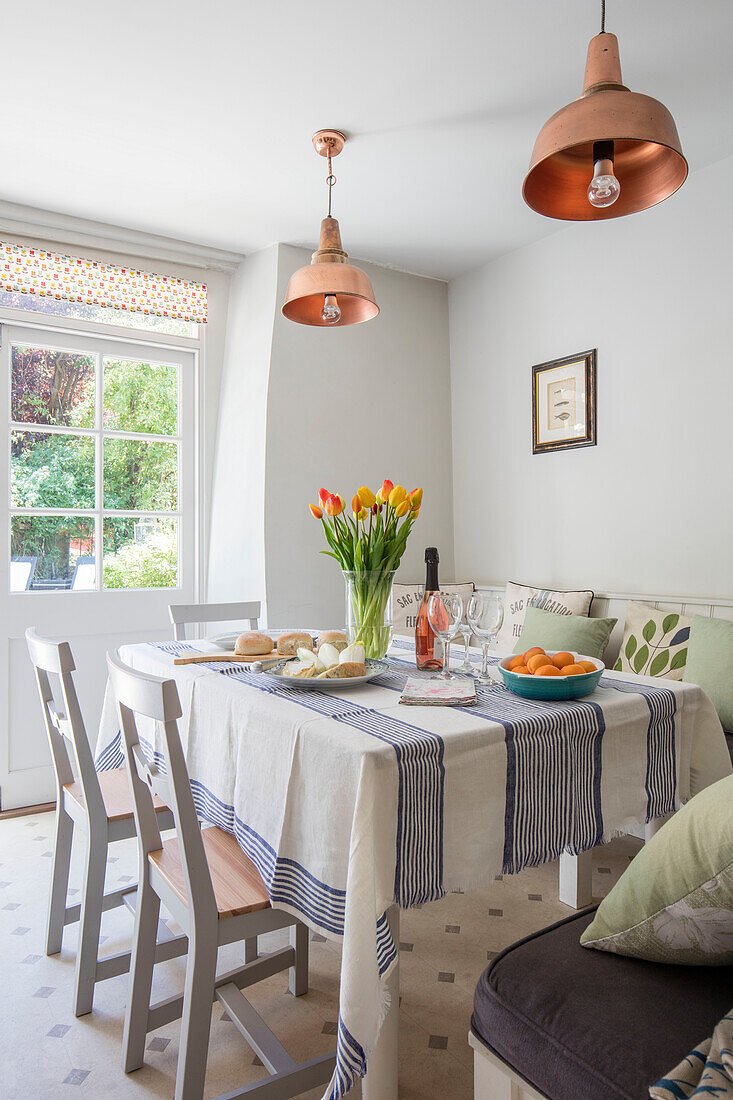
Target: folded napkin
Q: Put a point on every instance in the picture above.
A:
(439, 693)
(706, 1072)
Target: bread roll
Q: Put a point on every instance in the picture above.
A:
(288, 644)
(253, 644)
(335, 638)
(343, 671)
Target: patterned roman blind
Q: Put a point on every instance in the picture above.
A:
(49, 275)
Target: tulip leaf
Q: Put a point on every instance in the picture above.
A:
(650, 629)
(669, 623)
(659, 662)
(679, 660)
(641, 658)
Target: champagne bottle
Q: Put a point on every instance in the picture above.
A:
(425, 656)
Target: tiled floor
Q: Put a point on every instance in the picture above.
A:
(46, 1052)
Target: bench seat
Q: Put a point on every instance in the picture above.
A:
(578, 1024)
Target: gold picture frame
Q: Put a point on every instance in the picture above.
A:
(564, 403)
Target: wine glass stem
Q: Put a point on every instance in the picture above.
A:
(466, 647)
(485, 665)
(446, 659)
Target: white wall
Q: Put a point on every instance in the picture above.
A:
(344, 407)
(237, 539)
(650, 509)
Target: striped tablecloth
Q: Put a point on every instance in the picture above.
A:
(348, 802)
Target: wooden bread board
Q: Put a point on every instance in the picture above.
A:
(201, 658)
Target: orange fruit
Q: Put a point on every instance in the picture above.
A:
(548, 670)
(522, 670)
(516, 662)
(573, 670)
(561, 659)
(531, 653)
(537, 661)
(588, 666)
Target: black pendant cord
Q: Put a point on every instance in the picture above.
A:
(603, 16)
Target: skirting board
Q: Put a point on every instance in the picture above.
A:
(494, 1080)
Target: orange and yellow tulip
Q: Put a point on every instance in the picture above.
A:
(323, 495)
(356, 505)
(316, 512)
(402, 509)
(334, 505)
(416, 513)
(367, 497)
(363, 514)
(397, 496)
(416, 498)
(383, 494)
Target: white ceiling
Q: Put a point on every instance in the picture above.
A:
(193, 120)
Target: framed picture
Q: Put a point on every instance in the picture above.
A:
(564, 403)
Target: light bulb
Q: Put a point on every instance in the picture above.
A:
(331, 312)
(604, 188)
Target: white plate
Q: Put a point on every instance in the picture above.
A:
(374, 668)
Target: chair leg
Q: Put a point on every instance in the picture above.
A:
(198, 996)
(298, 974)
(59, 879)
(251, 951)
(90, 921)
(147, 912)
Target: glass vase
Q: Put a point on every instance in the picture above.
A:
(369, 610)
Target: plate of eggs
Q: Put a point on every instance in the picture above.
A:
(330, 662)
(551, 674)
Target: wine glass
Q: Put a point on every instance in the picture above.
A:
(445, 612)
(464, 629)
(485, 616)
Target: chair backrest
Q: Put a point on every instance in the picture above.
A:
(54, 666)
(85, 572)
(183, 613)
(142, 694)
(21, 573)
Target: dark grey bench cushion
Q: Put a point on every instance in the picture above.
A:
(581, 1024)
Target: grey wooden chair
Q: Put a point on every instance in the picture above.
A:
(216, 894)
(101, 806)
(182, 614)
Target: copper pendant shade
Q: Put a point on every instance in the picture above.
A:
(647, 158)
(330, 292)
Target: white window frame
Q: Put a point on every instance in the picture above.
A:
(64, 330)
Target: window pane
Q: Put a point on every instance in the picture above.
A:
(140, 476)
(104, 314)
(140, 553)
(61, 549)
(140, 397)
(51, 470)
(52, 387)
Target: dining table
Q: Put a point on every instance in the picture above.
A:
(353, 806)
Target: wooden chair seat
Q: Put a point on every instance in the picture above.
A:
(238, 887)
(116, 793)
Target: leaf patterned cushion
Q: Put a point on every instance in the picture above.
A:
(674, 903)
(655, 642)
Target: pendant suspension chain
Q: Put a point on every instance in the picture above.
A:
(330, 180)
(603, 16)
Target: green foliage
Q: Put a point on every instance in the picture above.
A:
(149, 564)
(57, 470)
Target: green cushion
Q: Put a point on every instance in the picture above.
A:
(577, 633)
(710, 664)
(674, 903)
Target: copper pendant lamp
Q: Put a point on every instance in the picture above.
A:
(330, 292)
(609, 153)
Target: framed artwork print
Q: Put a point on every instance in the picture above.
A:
(564, 403)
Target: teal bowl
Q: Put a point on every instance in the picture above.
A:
(552, 687)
